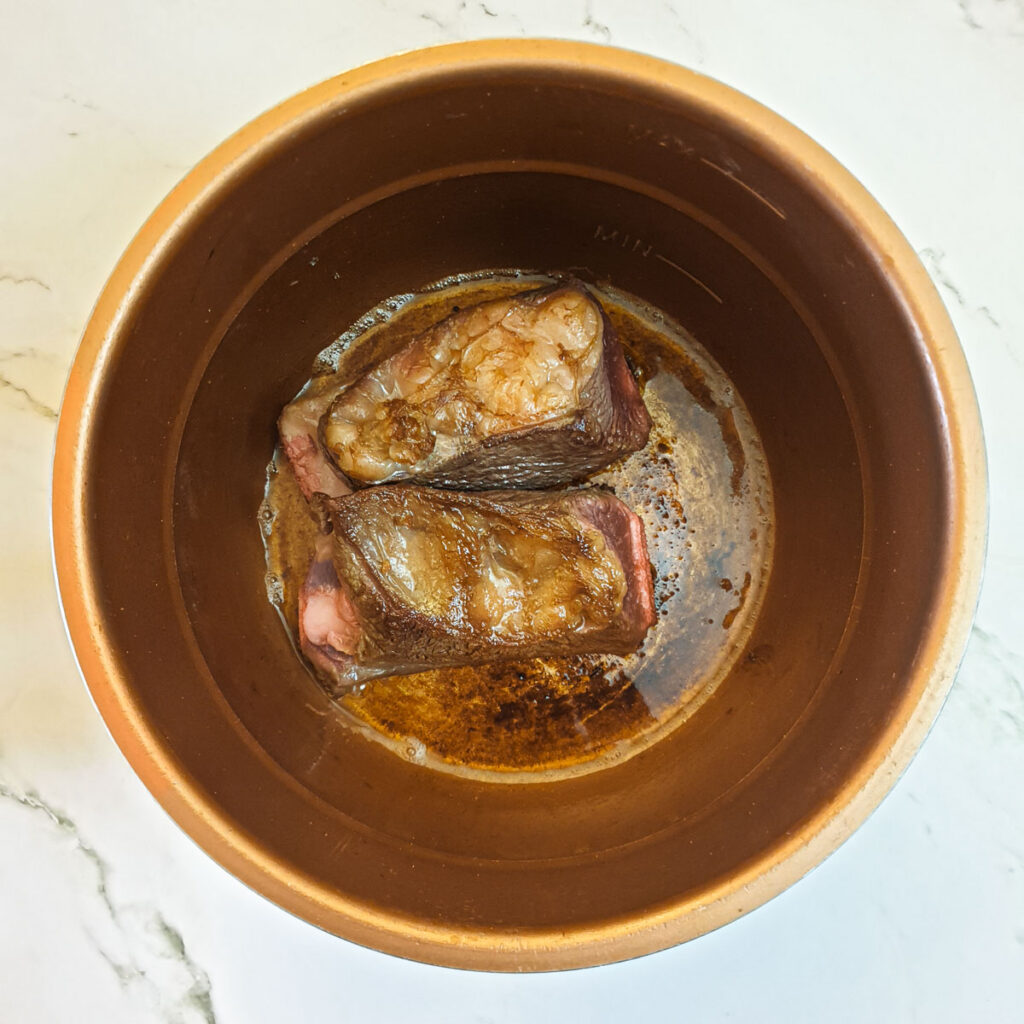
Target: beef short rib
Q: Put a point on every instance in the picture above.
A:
(411, 578)
(530, 390)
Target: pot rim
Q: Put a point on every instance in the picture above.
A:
(548, 949)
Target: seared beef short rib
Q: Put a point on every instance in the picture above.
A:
(530, 391)
(411, 578)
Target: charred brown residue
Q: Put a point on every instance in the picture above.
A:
(730, 616)
(523, 715)
(666, 586)
(737, 456)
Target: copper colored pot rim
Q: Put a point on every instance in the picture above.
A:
(199, 815)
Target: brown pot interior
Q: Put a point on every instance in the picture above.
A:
(518, 166)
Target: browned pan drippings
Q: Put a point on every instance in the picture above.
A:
(702, 490)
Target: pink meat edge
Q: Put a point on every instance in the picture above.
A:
(329, 626)
(625, 391)
(298, 428)
(608, 514)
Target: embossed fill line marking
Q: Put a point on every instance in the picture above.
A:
(742, 184)
(696, 280)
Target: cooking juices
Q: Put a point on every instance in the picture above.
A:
(702, 490)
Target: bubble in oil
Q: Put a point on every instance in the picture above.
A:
(328, 360)
(415, 750)
(267, 515)
(275, 588)
(490, 276)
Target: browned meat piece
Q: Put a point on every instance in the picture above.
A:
(526, 391)
(412, 578)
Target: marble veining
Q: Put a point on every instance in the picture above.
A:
(599, 28)
(688, 33)
(997, 17)
(1002, 697)
(933, 260)
(464, 19)
(32, 402)
(434, 20)
(194, 1000)
(30, 361)
(27, 279)
(968, 16)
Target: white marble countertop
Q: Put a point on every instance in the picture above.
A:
(108, 912)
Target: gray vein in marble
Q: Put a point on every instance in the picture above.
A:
(965, 13)
(934, 259)
(452, 22)
(199, 995)
(28, 279)
(509, 15)
(434, 20)
(9, 355)
(1003, 654)
(925, 824)
(993, 17)
(85, 104)
(128, 128)
(125, 973)
(33, 403)
(595, 26)
(694, 39)
(34, 802)
(1008, 664)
